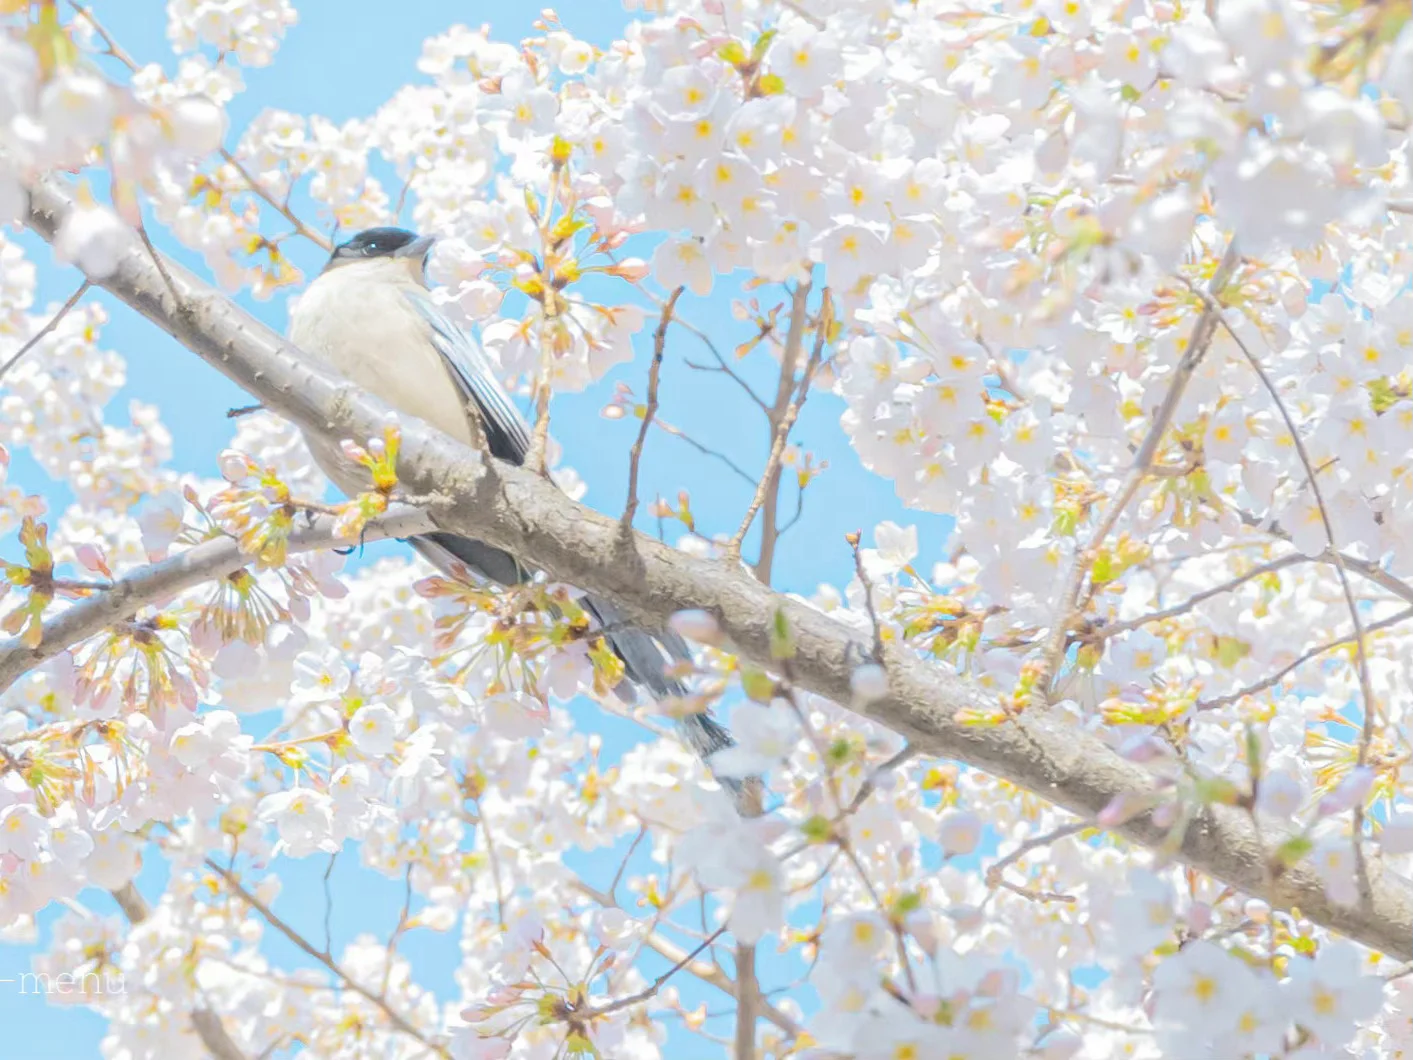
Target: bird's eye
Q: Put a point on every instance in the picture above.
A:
(371, 248)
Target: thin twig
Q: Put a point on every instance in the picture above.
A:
(177, 301)
(870, 784)
(788, 400)
(52, 323)
(723, 366)
(1311, 653)
(260, 191)
(394, 1017)
(747, 1002)
(1362, 567)
(800, 12)
(635, 456)
(995, 874)
(114, 49)
(708, 973)
(1065, 615)
(493, 859)
(329, 904)
(1366, 685)
(623, 866)
(657, 984)
(404, 917)
(1113, 629)
(244, 410)
(206, 1023)
(867, 584)
(705, 450)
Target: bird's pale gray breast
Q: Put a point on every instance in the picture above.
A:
(358, 321)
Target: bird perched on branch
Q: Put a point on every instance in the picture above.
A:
(370, 317)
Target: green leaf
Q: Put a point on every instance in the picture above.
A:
(1292, 850)
(782, 642)
(757, 684)
(771, 85)
(762, 45)
(732, 52)
(1217, 790)
(905, 904)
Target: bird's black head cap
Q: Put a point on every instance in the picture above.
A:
(381, 243)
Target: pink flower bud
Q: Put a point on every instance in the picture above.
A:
(699, 626)
(869, 683)
(1123, 806)
(91, 558)
(1199, 918)
(1349, 793)
(960, 832)
(631, 269)
(234, 466)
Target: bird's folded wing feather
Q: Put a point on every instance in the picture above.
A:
(508, 436)
(507, 433)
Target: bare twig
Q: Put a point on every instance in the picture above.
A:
(706, 972)
(995, 874)
(657, 984)
(260, 191)
(49, 326)
(1113, 629)
(870, 783)
(800, 12)
(747, 1002)
(867, 584)
(723, 366)
(788, 400)
(395, 1018)
(204, 1021)
(329, 904)
(1362, 567)
(493, 859)
(1065, 615)
(1275, 678)
(157, 260)
(705, 450)
(114, 49)
(654, 374)
(1366, 686)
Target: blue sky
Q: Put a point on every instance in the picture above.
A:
(342, 61)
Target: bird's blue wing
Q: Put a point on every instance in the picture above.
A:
(507, 433)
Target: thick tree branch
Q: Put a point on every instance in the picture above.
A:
(149, 585)
(516, 510)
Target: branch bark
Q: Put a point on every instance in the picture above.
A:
(516, 510)
(152, 584)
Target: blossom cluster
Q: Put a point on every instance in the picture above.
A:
(1118, 287)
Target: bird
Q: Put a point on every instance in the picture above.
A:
(370, 317)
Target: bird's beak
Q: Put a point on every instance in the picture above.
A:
(417, 250)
